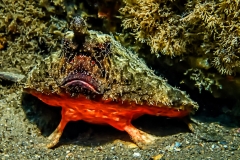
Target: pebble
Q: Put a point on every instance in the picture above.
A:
(213, 146)
(157, 157)
(223, 142)
(225, 146)
(67, 152)
(177, 144)
(174, 147)
(136, 154)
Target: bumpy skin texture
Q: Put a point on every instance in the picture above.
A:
(97, 80)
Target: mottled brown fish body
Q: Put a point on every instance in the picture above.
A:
(96, 79)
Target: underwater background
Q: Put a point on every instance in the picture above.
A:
(193, 44)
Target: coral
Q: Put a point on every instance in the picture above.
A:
(200, 28)
(219, 86)
(218, 23)
(157, 23)
(202, 81)
(29, 33)
(200, 37)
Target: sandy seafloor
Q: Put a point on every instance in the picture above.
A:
(25, 123)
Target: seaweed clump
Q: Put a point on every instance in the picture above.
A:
(27, 34)
(157, 23)
(201, 38)
(218, 23)
(201, 28)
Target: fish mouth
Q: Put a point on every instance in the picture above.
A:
(79, 82)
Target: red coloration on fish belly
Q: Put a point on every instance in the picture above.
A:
(115, 114)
